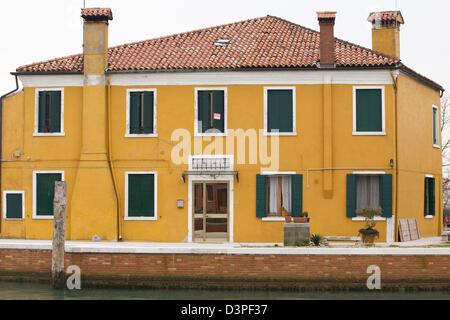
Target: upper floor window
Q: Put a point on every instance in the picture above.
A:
(49, 112)
(368, 111)
(141, 113)
(436, 127)
(279, 111)
(211, 112)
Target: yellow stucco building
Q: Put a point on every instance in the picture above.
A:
(219, 134)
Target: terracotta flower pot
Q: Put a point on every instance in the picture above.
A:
(301, 220)
(288, 218)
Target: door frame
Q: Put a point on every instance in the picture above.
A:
(229, 179)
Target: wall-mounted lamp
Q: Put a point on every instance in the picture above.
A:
(180, 204)
(391, 162)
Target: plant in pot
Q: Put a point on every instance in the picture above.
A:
(368, 234)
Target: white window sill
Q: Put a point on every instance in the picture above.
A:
(274, 219)
(280, 134)
(211, 134)
(429, 217)
(357, 133)
(140, 219)
(13, 219)
(364, 219)
(152, 135)
(436, 146)
(43, 218)
(58, 134)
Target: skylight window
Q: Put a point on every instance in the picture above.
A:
(222, 42)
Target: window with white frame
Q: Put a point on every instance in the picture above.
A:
(210, 111)
(436, 127)
(368, 192)
(14, 205)
(279, 110)
(49, 112)
(141, 113)
(44, 192)
(368, 111)
(141, 196)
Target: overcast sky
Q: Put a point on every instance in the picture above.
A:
(37, 30)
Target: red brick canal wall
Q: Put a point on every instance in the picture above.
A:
(233, 271)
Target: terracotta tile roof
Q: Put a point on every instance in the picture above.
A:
(267, 42)
(326, 15)
(386, 16)
(94, 13)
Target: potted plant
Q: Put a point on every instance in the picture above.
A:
(368, 234)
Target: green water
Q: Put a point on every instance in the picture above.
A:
(27, 291)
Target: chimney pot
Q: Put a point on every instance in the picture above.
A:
(327, 42)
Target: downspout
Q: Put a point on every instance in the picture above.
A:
(395, 83)
(111, 164)
(1, 136)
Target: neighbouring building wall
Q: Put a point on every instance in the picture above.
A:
(417, 157)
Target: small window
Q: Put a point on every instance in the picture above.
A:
(279, 196)
(13, 205)
(436, 127)
(368, 111)
(429, 197)
(280, 111)
(141, 113)
(49, 112)
(368, 192)
(210, 192)
(44, 192)
(141, 196)
(211, 112)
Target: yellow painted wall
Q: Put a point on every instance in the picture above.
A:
(175, 109)
(417, 156)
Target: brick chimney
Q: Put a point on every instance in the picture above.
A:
(386, 32)
(327, 43)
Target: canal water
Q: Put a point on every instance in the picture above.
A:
(27, 291)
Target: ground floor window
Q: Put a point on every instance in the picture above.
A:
(13, 204)
(140, 196)
(368, 192)
(44, 192)
(429, 204)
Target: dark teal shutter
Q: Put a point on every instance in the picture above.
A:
(148, 112)
(279, 110)
(141, 196)
(41, 111)
(351, 195)
(432, 194)
(204, 112)
(297, 195)
(261, 192)
(135, 112)
(368, 110)
(55, 111)
(219, 107)
(14, 206)
(386, 195)
(45, 193)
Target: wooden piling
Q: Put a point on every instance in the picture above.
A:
(59, 234)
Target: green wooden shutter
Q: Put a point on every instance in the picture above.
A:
(426, 204)
(141, 196)
(386, 195)
(297, 195)
(432, 194)
(204, 113)
(41, 111)
(219, 107)
(45, 193)
(279, 110)
(135, 112)
(261, 192)
(148, 112)
(14, 206)
(351, 195)
(55, 111)
(368, 110)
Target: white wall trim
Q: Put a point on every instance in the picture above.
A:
(369, 172)
(36, 114)
(5, 193)
(225, 121)
(429, 176)
(128, 104)
(429, 217)
(383, 112)
(35, 173)
(155, 195)
(294, 111)
(271, 173)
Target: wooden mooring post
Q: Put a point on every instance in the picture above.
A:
(59, 234)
